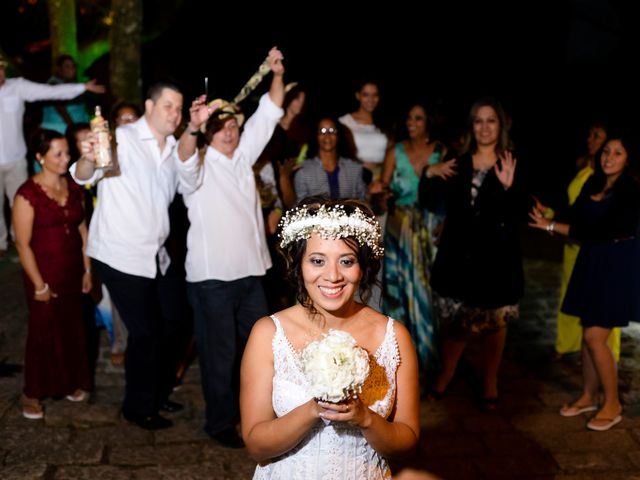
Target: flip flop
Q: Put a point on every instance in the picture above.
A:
(575, 410)
(601, 427)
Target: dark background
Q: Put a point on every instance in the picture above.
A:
(555, 65)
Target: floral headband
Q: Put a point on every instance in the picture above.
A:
(330, 222)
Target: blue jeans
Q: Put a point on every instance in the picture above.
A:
(224, 314)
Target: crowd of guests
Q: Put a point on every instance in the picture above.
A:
(447, 218)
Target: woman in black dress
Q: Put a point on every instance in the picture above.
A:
(477, 277)
(603, 287)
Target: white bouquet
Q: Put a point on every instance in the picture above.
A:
(335, 366)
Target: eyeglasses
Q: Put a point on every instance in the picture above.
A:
(127, 118)
(327, 131)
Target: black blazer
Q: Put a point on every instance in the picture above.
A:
(479, 260)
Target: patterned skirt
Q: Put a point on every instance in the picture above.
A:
(407, 263)
(459, 320)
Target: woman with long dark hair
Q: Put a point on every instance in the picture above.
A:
(477, 276)
(603, 290)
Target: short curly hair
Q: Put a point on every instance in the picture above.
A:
(293, 253)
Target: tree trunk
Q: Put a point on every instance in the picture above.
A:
(62, 23)
(125, 39)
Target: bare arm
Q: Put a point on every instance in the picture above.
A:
(286, 182)
(539, 221)
(400, 434)
(22, 218)
(388, 166)
(86, 276)
(265, 435)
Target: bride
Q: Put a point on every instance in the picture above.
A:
(333, 252)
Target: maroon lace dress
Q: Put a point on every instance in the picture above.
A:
(55, 359)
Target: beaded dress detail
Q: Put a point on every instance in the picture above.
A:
(334, 451)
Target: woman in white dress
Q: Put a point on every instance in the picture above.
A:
(370, 141)
(333, 252)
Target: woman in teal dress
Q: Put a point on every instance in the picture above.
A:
(409, 246)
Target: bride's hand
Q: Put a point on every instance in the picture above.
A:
(353, 412)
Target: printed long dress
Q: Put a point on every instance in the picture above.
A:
(408, 257)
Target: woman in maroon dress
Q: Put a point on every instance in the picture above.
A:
(51, 235)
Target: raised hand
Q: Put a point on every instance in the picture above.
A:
(544, 211)
(275, 61)
(508, 170)
(443, 169)
(87, 147)
(199, 112)
(93, 87)
(538, 220)
(289, 166)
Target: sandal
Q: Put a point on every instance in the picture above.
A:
(603, 424)
(573, 410)
(31, 408)
(78, 396)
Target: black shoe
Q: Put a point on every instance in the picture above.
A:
(171, 407)
(228, 438)
(148, 422)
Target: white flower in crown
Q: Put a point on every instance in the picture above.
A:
(335, 366)
(330, 222)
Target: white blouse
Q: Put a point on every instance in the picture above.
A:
(370, 141)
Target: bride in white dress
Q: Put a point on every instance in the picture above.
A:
(333, 251)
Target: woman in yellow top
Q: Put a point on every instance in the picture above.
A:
(569, 332)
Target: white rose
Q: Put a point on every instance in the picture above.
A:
(335, 366)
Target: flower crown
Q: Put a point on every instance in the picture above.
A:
(330, 222)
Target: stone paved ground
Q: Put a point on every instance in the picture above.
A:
(525, 438)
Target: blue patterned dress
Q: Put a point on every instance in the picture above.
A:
(409, 252)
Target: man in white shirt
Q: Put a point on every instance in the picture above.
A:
(227, 252)
(128, 229)
(14, 92)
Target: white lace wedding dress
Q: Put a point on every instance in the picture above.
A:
(335, 451)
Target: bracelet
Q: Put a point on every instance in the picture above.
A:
(193, 132)
(551, 227)
(87, 270)
(42, 290)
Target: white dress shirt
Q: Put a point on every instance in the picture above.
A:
(13, 93)
(131, 220)
(226, 239)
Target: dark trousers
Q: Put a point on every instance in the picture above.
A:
(150, 310)
(224, 313)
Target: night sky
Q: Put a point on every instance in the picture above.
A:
(553, 64)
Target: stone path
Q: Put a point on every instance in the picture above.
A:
(524, 439)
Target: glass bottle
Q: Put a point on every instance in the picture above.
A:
(102, 150)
